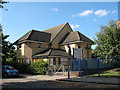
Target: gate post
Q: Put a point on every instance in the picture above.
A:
(79, 67)
(71, 65)
(54, 69)
(98, 67)
(86, 65)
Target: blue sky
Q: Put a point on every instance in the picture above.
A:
(85, 17)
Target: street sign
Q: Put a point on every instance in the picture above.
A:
(78, 53)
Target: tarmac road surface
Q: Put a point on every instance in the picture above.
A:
(41, 81)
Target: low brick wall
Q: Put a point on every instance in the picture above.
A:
(74, 73)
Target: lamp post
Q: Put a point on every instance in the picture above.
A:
(68, 61)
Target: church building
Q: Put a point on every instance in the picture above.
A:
(52, 45)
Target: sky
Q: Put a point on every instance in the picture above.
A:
(85, 17)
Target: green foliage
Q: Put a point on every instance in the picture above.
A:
(8, 50)
(108, 41)
(39, 67)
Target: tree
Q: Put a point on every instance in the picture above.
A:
(2, 2)
(8, 50)
(108, 41)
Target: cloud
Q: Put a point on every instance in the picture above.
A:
(87, 12)
(55, 9)
(74, 26)
(114, 11)
(84, 13)
(101, 12)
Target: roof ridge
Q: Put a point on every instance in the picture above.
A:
(38, 31)
(55, 26)
(59, 31)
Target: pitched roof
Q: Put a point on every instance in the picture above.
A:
(42, 36)
(35, 36)
(55, 30)
(76, 36)
(51, 52)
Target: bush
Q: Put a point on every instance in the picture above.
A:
(39, 67)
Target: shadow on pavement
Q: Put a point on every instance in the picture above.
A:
(13, 77)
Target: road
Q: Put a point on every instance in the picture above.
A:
(40, 81)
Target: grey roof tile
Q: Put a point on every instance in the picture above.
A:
(42, 36)
(76, 36)
(51, 52)
(55, 30)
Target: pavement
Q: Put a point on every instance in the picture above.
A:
(43, 77)
(115, 81)
(102, 80)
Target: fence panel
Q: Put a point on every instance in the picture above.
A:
(92, 65)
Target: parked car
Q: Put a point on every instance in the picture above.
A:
(8, 70)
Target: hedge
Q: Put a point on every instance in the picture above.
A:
(37, 67)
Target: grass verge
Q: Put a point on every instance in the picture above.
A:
(109, 73)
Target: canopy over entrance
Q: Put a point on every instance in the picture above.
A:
(52, 53)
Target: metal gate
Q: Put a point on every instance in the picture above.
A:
(56, 70)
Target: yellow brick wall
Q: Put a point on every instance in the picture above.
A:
(75, 45)
(28, 49)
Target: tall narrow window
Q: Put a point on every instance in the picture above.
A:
(19, 45)
(22, 60)
(38, 45)
(19, 59)
(79, 45)
(54, 61)
(58, 61)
